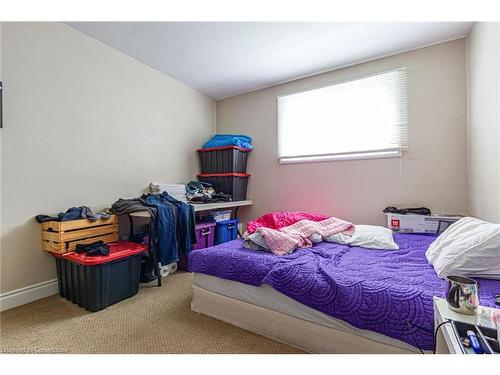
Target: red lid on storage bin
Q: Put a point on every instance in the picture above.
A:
(224, 175)
(117, 250)
(224, 148)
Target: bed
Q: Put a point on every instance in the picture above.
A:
(329, 298)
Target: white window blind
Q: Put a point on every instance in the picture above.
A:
(362, 118)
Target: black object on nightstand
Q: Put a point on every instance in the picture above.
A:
(487, 337)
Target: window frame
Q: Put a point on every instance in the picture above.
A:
(355, 155)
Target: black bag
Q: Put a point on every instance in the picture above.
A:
(147, 269)
(404, 211)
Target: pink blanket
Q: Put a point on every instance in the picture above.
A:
(278, 220)
(287, 239)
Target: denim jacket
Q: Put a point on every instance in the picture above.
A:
(175, 227)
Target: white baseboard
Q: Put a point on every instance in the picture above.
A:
(28, 294)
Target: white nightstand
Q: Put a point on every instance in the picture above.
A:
(446, 339)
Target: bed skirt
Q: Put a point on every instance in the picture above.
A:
(308, 336)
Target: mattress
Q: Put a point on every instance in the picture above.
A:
(265, 296)
(387, 292)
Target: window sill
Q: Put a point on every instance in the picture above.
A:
(340, 157)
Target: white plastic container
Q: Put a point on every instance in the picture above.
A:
(172, 267)
(411, 223)
(220, 215)
(168, 269)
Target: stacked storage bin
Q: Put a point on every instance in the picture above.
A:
(96, 282)
(226, 230)
(226, 169)
(204, 238)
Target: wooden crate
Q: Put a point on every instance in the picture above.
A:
(63, 236)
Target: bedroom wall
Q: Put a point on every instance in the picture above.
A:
(431, 173)
(0, 150)
(84, 124)
(483, 60)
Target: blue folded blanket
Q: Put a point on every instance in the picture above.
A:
(221, 140)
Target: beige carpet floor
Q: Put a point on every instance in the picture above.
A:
(156, 320)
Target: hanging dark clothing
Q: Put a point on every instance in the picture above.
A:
(166, 229)
(173, 223)
(127, 206)
(186, 235)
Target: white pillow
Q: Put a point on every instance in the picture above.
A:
(315, 238)
(469, 247)
(369, 236)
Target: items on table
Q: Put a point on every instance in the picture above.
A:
(203, 192)
(75, 213)
(178, 191)
(404, 211)
(476, 338)
(420, 223)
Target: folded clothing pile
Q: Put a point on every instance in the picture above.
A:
(75, 213)
(178, 191)
(203, 192)
(93, 249)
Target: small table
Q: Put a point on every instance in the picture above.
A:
(202, 207)
(198, 207)
(446, 340)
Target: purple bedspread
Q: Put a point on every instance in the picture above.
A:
(389, 292)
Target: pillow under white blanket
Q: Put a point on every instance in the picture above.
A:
(368, 236)
(469, 247)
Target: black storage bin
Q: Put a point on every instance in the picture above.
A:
(229, 159)
(229, 183)
(95, 283)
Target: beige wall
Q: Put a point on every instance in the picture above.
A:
(1, 152)
(84, 125)
(483, 57)
(431, 173)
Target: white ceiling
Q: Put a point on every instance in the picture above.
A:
(224, 59)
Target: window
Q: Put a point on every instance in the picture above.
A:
(362, 118)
